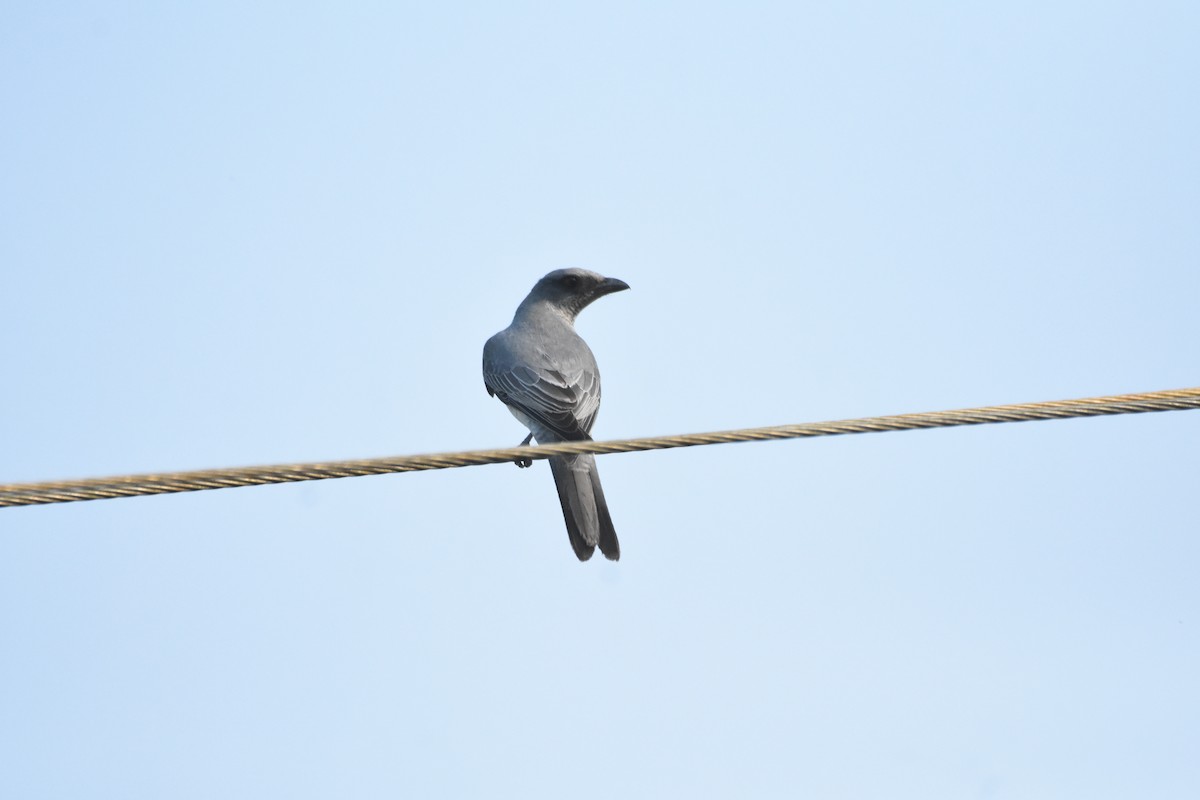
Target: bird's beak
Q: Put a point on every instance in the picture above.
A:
(611, 285)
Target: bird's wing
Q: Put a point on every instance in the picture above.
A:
(566, 403)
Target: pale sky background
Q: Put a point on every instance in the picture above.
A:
(243, 234)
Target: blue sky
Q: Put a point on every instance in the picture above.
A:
(239, 235)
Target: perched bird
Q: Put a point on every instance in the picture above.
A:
(547, 376)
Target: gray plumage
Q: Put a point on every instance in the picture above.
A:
(546, 374)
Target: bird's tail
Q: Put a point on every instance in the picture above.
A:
(608, 534)
(584, 508)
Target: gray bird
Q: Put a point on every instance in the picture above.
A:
(547, 376)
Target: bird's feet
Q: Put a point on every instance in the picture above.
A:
(525, 463)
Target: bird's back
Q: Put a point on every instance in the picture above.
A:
(539, 359)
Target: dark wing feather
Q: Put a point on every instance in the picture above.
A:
(565, 404)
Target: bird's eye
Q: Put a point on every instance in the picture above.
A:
(571, 281)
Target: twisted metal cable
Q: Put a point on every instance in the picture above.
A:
(24, 494)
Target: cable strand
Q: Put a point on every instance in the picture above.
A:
(25, 494)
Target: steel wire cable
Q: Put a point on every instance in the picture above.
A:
(25, 494)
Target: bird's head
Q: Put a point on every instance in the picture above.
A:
(572, 290)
